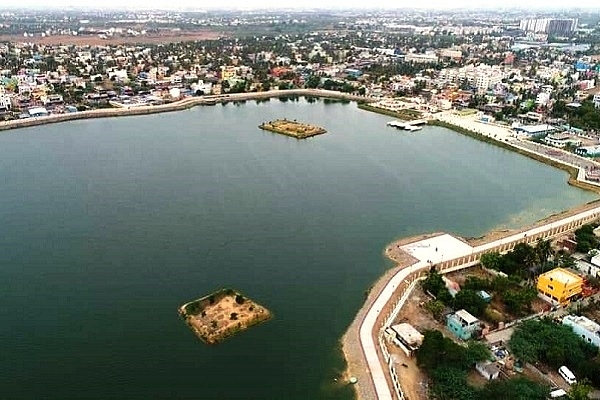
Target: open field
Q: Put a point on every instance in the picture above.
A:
(215, 317)
(95, 40)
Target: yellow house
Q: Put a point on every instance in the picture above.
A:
(559, 285)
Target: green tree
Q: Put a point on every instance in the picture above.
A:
(491, 260)
(470, 301)
(518, 388)
(434, 283)
(580, 390)
(543, 251)
(519, 300)
(435, 307)
(451, 384)
(313, 82)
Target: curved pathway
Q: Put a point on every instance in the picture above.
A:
(431, 251)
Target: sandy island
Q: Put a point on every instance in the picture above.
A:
(222, 314)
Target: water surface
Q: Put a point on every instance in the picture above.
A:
(109, 225)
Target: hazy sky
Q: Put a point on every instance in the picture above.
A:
(246, 4)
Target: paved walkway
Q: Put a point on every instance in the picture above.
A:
(431, 251)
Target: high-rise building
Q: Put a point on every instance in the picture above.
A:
(551, 26)
(562, 27)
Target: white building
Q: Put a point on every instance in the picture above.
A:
(421, 58)
(562, 140)
(584, 327)
(542, 98)
(587, 268)
(5, 102)
(406, 337)
(489, 370)
(597, 100)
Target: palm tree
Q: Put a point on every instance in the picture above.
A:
(543, 251)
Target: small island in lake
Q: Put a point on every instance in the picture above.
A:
(222, 314)
(292, 128)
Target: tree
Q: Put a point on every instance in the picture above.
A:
(451, 384)
(543, 251)
(580, 390)
(435, 307)
(546, 341)
(470, 301)
(491, 260)
(429, 352)
(586, 240)
(313, 82)
(434, 283)
(516, 388)
(519, 300)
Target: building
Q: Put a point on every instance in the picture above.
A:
(406, 337)
(421, 58)
(37, 112)
(489, 370)
(562, 27)
(534, 130)
(588, 151)
(597, 100)
(584, 327)
(587, 268)
(562, 140)
(463, 324)
(559, 286)
(551, 26)
(5, 102)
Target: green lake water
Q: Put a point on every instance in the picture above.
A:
(109, 225)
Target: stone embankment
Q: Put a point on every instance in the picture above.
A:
(177, 106)
(371, 361)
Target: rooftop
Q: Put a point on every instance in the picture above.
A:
(562, 276)
(466, 316)
(534, 129)
(408, 333)
(583, 322)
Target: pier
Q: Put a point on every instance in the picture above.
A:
(407, 126)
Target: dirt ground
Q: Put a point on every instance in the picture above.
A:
(95, 40)
(226, 317)
(413, 381)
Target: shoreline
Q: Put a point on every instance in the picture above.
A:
(356, 364)
(572, 171)
(179, 105)
(403, 116)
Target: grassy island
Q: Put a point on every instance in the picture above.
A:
(222, 314)
(292, 128)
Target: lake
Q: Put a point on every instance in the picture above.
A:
(109, 225)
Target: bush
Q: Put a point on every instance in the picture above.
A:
(239, 299)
